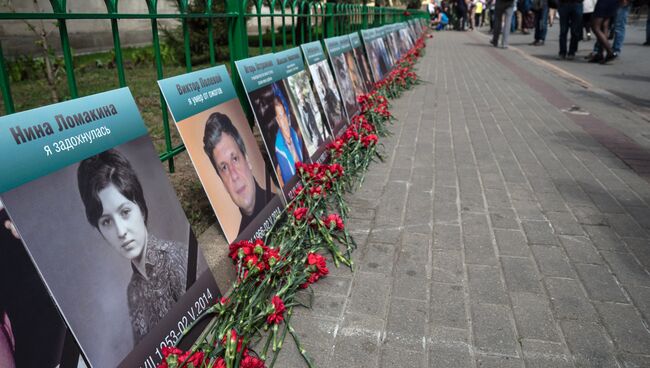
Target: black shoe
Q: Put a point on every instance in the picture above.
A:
(561, 56)
(608, 58)
(647, 43)
(571, 56)
(494, 43)
(596, 59)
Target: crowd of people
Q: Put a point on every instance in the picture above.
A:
(579, 20)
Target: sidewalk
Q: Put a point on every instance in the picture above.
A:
(499, 232)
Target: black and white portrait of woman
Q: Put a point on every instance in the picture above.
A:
(115, 205)
(111, 240)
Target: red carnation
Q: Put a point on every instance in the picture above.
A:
(300, 213)
(333, 219)
(250, 361)
(277, 316)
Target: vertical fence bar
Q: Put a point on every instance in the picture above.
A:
(308, 20)
(283, 12)
(294, 37)
(329, 20)
(186, 35)
(4, 84)
(111, 7)
(272, 12)
(208, 13)
(260, 34)
(67, 58)
(152, 5)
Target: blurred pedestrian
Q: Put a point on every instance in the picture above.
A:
(570, 19)
(587, 9)
(540, 11)
(603, 12)
(502, 18)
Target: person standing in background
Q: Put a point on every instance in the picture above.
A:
(587, 10)
(461, 13)
(502, 8)
(478, 11)
(603, 12)
(570, 19)
(540, 11)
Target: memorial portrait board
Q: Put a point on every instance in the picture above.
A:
(98, 216)
(224, 152)
(336, 49)
(32, 332)
(314, 130)
(325, 86)
(362, 61)
(276, 118)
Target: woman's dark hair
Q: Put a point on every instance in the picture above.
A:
(279, 98)
(100, 171)
(217, 125)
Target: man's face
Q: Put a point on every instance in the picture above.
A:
(235, 172)
(283, 120)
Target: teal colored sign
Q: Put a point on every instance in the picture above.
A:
(192, 93)
(289, 62)
(368, 35)
(334, 46)
(257, 72)
(344, 41)
(355, 40)
(41, 141)
(313, 52)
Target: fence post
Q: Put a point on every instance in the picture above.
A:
(111, 7)
(208, 12)
(152, 6)
(59, 7)
(238, 46)
(4, 84)
(329, 20)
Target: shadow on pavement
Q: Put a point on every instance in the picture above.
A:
(632, 77)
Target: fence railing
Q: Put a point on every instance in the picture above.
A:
(293, 21)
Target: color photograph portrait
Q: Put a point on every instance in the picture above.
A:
(328, 94)
(364, 68)
(278, 122)
(346, 87)
(229, 164)
(314, 130)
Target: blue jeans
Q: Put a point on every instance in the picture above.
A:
(541, 23)
(619, 30)
(619, 27)
(570, 18)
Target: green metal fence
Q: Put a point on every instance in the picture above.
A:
(299, 21)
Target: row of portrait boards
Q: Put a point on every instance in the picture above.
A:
(98, 263)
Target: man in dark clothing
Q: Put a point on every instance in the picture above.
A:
(499, 11)
(570, 19)
(461, 12)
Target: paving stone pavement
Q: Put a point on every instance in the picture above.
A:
(497, 233)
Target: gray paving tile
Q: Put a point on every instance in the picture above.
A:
(600, 283)
(485, 285)
(580, 250)
(493, 330)
(569, 300)
(589, 344)
(447, 306)
(534, 317)
(520, 275)
(552, 261)
(370, 294)
(511, 243)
